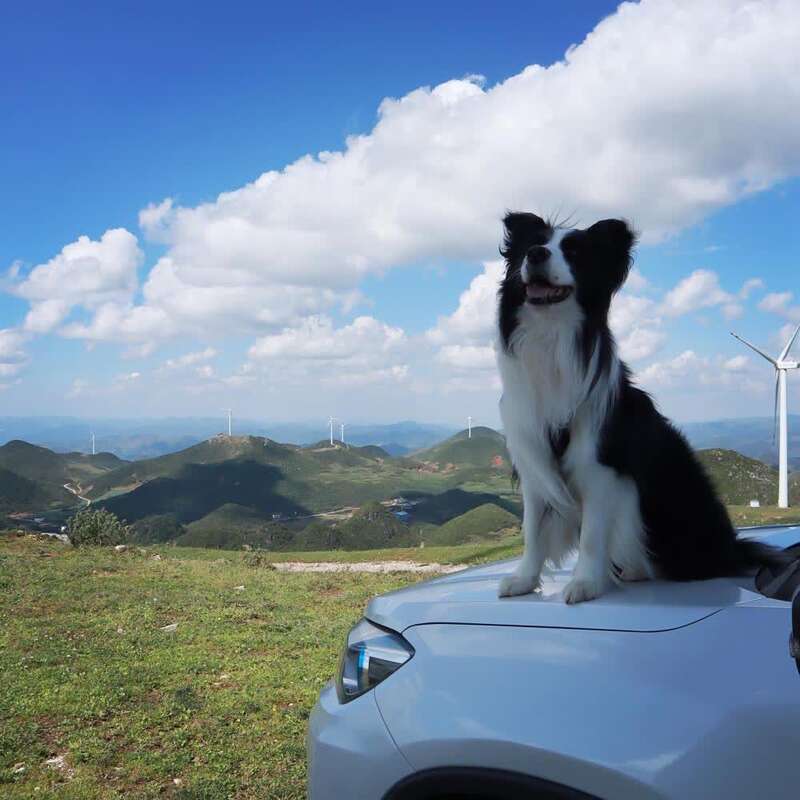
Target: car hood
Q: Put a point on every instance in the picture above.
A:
(470, 597)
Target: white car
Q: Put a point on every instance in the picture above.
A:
(655, 690)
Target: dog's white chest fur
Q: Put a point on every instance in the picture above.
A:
(568, 495)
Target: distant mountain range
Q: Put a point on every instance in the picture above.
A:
(134, 439)
(750, 436)
(230, 490)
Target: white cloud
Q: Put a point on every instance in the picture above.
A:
(12, 355)
(317, 340)
(637, 325)
(11, 341)
(9, 370)
(699, 290)
(636, 281)
(467, 357)
(749, 287)
(153, 219)
(190, 358)
(619, 127)
(694, 373)
(736, 364)
(86, 272)
(365, 351)
(475, 318)
(778, 303)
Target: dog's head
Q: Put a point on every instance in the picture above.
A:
(551, 269)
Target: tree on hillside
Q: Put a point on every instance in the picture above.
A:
(92, 526)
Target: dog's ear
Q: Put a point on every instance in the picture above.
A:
(615, 239)
(521, 228)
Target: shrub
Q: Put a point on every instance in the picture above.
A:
(92, 526)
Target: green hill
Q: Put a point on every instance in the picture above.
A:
(198, 489)
(476, 524)
(267, 476)
(231, 526)
(439, 508)
(740, 479)
(49, 471)
(294, 461)
(371, 527)
(485, 448)
(18, 493)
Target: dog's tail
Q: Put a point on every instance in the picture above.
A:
(749, 555)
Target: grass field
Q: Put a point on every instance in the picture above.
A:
(217, 709)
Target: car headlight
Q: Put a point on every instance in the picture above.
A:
(371, 655)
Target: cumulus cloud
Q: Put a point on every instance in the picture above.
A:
(365, 351)
(699, 290)
(85, 273)
(690, 371)
(473, 321)
(618, 127)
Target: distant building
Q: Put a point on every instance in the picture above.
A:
(755, 504)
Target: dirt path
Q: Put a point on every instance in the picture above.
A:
(365, 566)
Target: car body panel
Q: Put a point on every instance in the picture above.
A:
(616, 714)
(350, 751)
(676, 691)
(470, 597)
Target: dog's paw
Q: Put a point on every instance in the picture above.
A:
(513, 585)
(578, 590)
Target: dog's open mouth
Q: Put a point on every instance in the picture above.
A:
(541, 294)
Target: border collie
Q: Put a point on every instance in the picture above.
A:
(600, 469)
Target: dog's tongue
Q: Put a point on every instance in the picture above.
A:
(537, 291)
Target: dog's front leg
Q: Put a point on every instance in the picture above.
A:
(525, 578)
(592, 575)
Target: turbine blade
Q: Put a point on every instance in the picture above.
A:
(753, 347)
(788, 347)
(775, 412)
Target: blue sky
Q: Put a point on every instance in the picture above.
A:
(109, 110)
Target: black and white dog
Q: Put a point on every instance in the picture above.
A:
(600, 469)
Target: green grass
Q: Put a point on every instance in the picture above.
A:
(765, 515)
(221, 704)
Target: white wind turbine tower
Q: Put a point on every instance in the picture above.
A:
(782, 365)
(469, 427)
(229, 412)
(94, 452)
(341, 428)
(331, 420)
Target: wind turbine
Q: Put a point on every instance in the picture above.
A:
(230, 412)
(341, 427)
(94, 452)
(469, 427)
(782, 365)
(330, 422)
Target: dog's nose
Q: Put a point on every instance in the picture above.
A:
(538, 254)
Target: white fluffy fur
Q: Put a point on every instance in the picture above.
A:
(545, 386)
